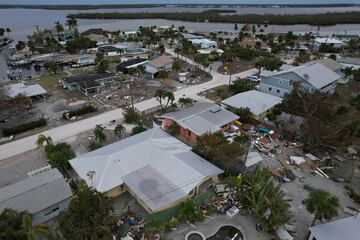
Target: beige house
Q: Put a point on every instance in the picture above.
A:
(155, 168)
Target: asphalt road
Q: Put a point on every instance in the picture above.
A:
(72, 129)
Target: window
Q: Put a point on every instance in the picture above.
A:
(280, 82)
(189, 133)
(270, 89)
(278, 91)
(51, 211)
(290, 84)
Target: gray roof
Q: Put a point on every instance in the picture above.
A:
(35, 193)
(257, 101)
(152, 158)
(202, 117)
(344, 229)
(16, 89)
(331, 64)
(353, 61)
(318, 75)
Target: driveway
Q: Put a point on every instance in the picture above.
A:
(245, 223)
(66, 131)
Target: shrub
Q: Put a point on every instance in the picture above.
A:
(94, 145)
(138, 129)
(24, 127)
(173, 129)
(131, 115)
(81, 111)
(59, 155)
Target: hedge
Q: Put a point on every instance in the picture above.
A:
(81, 111)
(23, 127)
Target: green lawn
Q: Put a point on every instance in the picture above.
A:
(51, 80)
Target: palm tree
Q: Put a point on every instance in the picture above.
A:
(42, 139)
(8, 31)
(186, 101)
(178, 51)
(161, 95)
(72, 23)
(33, 232)
(242, 139)
(322, 204)
(59, 27)
(99, 133)
(176, 66)
(119, 130)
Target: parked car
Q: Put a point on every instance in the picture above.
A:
(253, 78)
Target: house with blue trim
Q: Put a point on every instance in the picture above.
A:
(314, 76)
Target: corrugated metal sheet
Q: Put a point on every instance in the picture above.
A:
(35, 193)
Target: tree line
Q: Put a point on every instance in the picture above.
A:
(323, 19)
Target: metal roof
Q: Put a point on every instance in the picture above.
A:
(327, 40)
(354, 61)
(315, 73)
(201, 117)
(16, 89)
(344, 229)
(35, 193)
(152, 157)
(258, 102)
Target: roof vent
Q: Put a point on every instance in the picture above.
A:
(215, 109)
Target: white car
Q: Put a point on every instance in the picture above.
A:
(253, 78)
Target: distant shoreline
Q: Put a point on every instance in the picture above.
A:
(121, 6)
(216, 16)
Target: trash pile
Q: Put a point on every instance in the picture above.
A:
(130, 227)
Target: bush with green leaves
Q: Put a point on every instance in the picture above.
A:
(24, 127)
(265, 199)
(173, 129)
(241, 85)
(131, 115)
(94, 145)
(138, 129)
(59, 155)
(79, 112)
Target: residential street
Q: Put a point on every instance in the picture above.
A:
(63, 132)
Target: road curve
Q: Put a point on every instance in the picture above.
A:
(74, 128)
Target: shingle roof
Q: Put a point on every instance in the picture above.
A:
(150, 158)
(258, 102)
(161, 61)
(344, 229)
(35, 193)
(202, 117)
(331, 64)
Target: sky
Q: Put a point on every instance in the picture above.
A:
(174, 1)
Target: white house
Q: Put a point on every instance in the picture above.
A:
(204, 43)
(44, 195)
(155, 168)
(343, 229)
(258, 102)
(328, 41)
